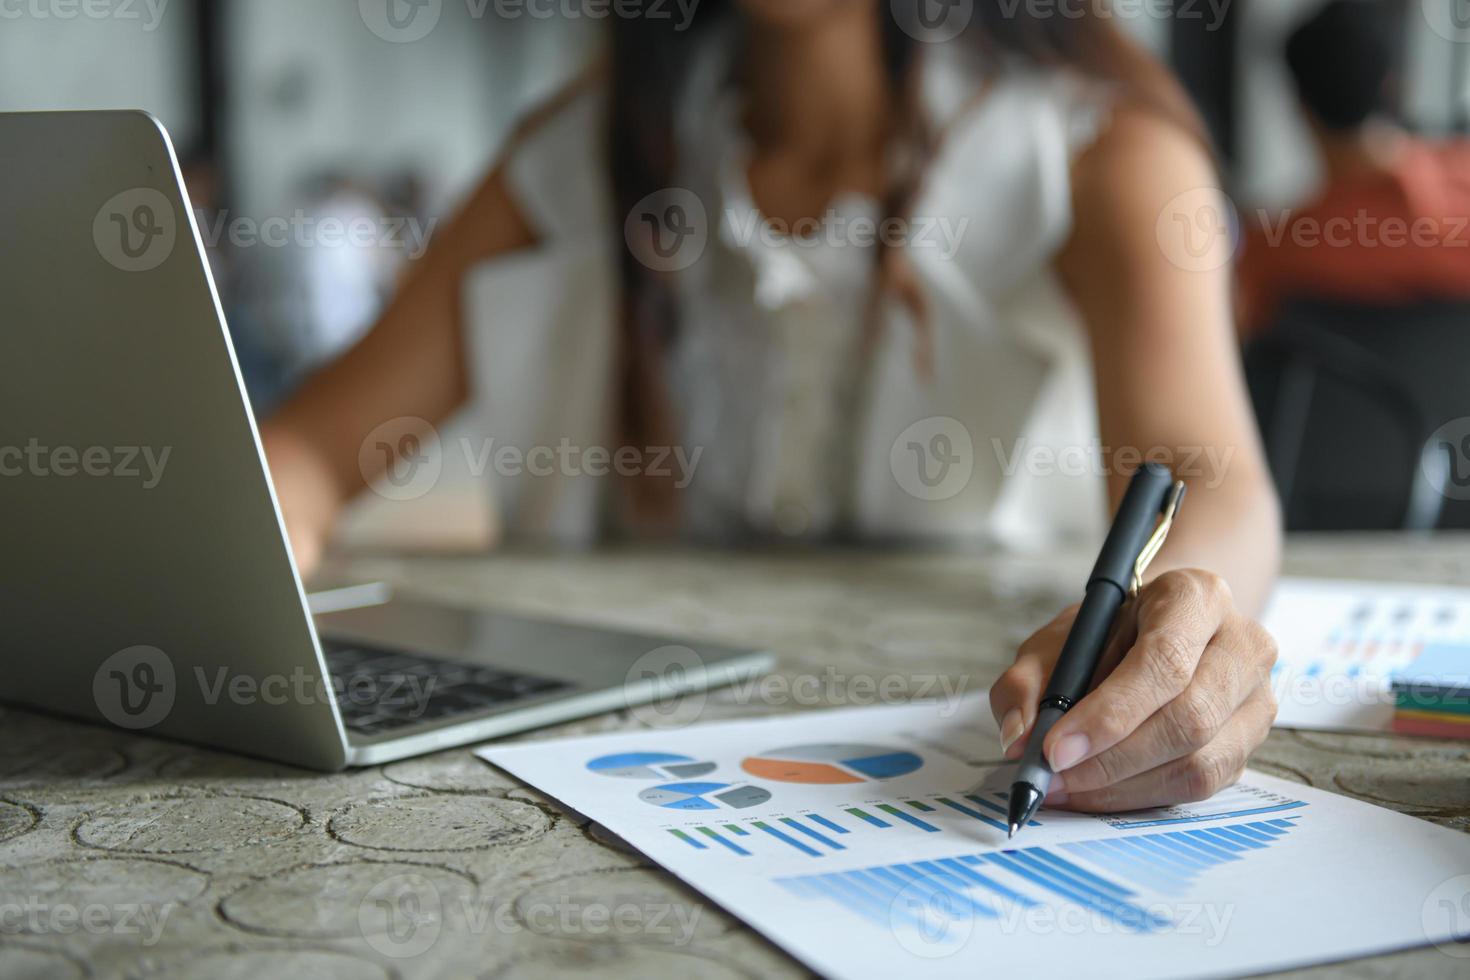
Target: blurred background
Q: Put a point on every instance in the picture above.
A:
(307, 112)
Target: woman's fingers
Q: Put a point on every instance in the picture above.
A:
(1233, 666)
(1178, 616)
(1197, 776)
(1014, 696)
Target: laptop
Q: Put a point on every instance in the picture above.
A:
(148, 580)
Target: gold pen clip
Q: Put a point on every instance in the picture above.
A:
(1156, 540)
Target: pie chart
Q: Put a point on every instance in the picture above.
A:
(704, 796)
(650, 765)
(832, 764)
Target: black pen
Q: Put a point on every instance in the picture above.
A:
(1143, 521)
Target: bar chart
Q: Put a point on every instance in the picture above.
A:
(871, 842)
(816, 834)
(1107, 877)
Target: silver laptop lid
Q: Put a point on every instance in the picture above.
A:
(147, 580)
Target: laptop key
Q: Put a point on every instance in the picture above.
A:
(382, 690)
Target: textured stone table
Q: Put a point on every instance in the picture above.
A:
(200, 864)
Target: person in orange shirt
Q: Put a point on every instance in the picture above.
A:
(1392, 224)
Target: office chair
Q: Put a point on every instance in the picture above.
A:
(1348, 398)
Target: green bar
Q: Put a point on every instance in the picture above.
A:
(921, 807)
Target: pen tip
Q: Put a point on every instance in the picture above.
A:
(1012, 830)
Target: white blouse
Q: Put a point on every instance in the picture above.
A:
(792, 423)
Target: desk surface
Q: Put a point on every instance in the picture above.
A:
(273, 870)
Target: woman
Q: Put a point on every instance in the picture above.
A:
(807, 360)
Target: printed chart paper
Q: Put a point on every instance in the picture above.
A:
(1340, 643)
(848, 838)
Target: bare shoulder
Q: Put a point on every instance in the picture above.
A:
(1142, 257)
(1140, 163)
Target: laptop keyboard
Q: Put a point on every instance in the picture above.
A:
(381, 690)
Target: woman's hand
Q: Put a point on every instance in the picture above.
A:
(1181, 699)
(307, 496)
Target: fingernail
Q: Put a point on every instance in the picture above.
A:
(1070, 750)
(1011, 729)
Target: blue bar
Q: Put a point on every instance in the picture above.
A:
(927, 883)
(1217, 840)
(864, 815)
(1057, 861)
(854, 898)
(1247, 830)
(908, 818)
(789, 839)
(1217, 855)
(882, 882)
(1183, 867)
(1188, 855)
(1083, 887)
(824, 822)
(976, 878)
(1211, 816)
(737, 829)
(1178, 875)
(1125, 865)
(712, 835)
(973, 813)
(814, 835)
(1267, 828)
(802, 887)
(1003, 811)
(1241, 839)
(883, 894)
(1119, 911)
(689, 840)
(1283, 824)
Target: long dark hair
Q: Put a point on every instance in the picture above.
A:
(651, 58)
